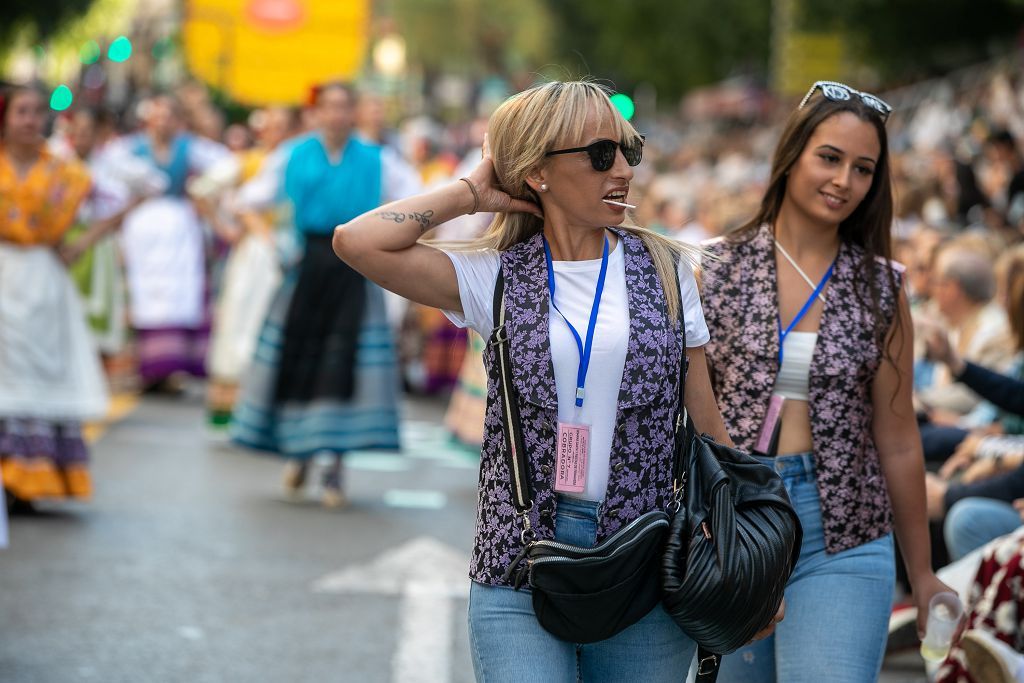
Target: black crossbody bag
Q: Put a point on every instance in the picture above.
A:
(581, 595)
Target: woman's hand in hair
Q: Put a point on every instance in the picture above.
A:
(491, 197)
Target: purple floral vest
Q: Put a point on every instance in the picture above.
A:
(741, 307)
(640, 479)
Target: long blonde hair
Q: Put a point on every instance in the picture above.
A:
(528, 125)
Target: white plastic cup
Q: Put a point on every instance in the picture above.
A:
(944, 614)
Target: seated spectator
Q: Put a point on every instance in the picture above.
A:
(962, 292)
(990, 467)
(1005, 160)
(987, 419)
(974, 521)
(990, 650)
(958, 184)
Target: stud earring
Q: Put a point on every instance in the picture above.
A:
(543, 187)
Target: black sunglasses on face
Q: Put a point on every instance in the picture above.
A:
(840, 92)
(602, 152)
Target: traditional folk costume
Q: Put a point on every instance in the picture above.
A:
(98, 273)
(50, 376)
(431, 350)
(464, 418)
(324, 376)
(165, 259)
(252, 275)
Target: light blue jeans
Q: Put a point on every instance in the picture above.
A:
(837, 606)
(973, 522)
(509, 645)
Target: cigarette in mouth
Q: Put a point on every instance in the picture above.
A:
(623, 204)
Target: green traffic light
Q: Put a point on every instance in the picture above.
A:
(61, 98)
(624, 103)
(120, 49)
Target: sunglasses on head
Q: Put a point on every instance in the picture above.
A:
(602, 152)
(840, 92)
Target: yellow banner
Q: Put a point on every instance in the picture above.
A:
(273, 51)
(804, 58)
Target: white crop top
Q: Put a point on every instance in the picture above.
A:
(795, 372)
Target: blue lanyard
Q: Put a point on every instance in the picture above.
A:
(581, 374)
(803, 311)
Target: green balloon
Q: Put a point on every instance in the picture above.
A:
(61, 98)
(120, 49)
(624, 103)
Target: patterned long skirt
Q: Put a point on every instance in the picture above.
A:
(299, 428)
(464, 418)
(252, 275)
(50, 378)
(431, 350)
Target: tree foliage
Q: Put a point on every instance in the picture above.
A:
(43, 17)
(680, 45)
(473, 36)
(908, 39)
(674, 46)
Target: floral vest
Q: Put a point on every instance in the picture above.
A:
(741, 309)
(640, 476)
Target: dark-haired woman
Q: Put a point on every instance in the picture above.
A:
(50, 376)
(811, 363)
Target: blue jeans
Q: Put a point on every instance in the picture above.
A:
(837, 606)
(508, 644)
(973, 522)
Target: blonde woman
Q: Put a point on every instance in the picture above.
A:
(557, 173)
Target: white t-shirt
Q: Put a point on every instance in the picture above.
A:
(575, 284)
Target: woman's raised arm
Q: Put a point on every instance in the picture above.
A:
(382, 244)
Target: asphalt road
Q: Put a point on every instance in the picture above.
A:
(190, 565)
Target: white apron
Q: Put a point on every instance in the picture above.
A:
(49, 367)
(164, 260)
(251, 278)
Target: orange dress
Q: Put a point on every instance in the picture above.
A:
(48, 382)
(40, 207)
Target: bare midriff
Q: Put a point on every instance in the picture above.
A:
(795, 430)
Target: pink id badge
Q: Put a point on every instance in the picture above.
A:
(768, 427)
(571, 453)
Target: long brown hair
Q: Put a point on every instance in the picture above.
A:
(870, 224)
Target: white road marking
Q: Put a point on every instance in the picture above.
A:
(427, 575)
(421, 500)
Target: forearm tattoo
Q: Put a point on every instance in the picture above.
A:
(421, 217)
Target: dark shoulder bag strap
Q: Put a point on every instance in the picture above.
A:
(707, 662)
(514, 447)
(683, 427)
